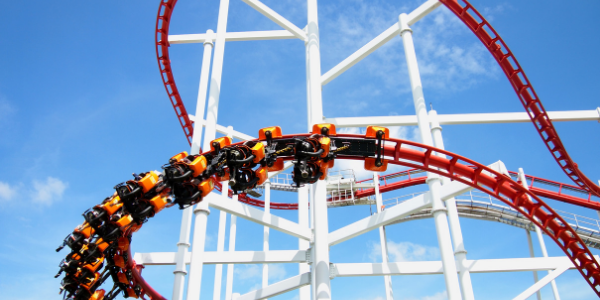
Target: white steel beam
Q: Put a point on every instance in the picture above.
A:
(233, 36)
(277, 18)
(222, 129)
(435, 267)
(235, 257)
(377, 42)
(540, 284)
(375, 221)
(278, 288)
(462, 119)
(260, 217)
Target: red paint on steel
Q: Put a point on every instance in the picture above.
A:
(524, 89)
(163, 20)
(138, 279)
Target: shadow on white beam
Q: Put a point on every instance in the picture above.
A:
(278, 288)
(236, 257)
(260, 217)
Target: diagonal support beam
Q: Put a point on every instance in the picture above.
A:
(377, 42)
(278, 288)
(277, 18)
(260, 217)
(381, 219)
(540, 284)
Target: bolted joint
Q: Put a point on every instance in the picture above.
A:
(309, 256)
(209, 38)
(403, 22)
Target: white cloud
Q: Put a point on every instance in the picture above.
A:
(248, 272)
(404, 251)
(6, 191)
(48, 191)
(276, 272)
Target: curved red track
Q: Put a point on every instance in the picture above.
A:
(497, 185)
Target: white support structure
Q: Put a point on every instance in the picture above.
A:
(540, 237)
(303, 245)
(389, 292)
(260, 217)
(375, 221)
(275, 17)
(279, 288)
(377, 42)
(201, 211)
(314, 238)
(464, 119)
(433, 181)
(229, 257)
(460, 253)
(436, 267)
(320, 265)
(186, 219)
(265, 271)
(532, 254)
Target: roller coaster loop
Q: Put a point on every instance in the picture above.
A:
(103, 239)
(482, 29)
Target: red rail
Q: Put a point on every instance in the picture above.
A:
(524, 89)
(164, 64)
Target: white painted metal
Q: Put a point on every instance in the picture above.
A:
(201, 211)
(540, 237)
(304, 292)
(532, 254)
(232, 237)
(322, 286)
(278, 19)
(377, 220)
(460, 253)
(462, 119)
(265, 271)
(278, 288)
(377, 42)
(540, 284)
(433, 180)
(435, 267)
(221, 234)
(222, 129)
(233, 36)
(389, 292)
(228, 257)
(258, 216)
(186, 219)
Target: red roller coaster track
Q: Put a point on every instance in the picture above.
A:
(468, 172)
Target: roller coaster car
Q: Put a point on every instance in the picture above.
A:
(192, 192)
(311, 159)
(246, 179)
(377, 164)
(306, 172)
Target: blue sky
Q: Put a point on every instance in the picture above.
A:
(82, 106)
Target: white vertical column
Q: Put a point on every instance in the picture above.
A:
(303, 244)
(186, 218)
(389, 292)
(460, 254)
(201, 211)
(540, 237)
(232, 233)
(322, 285)
(433, 180)
(532, 254)
(221, 233)
(265, 274)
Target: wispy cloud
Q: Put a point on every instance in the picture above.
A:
(404, 251)
(7, 192)
(48, 191)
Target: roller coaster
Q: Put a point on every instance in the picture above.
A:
(100, 247)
